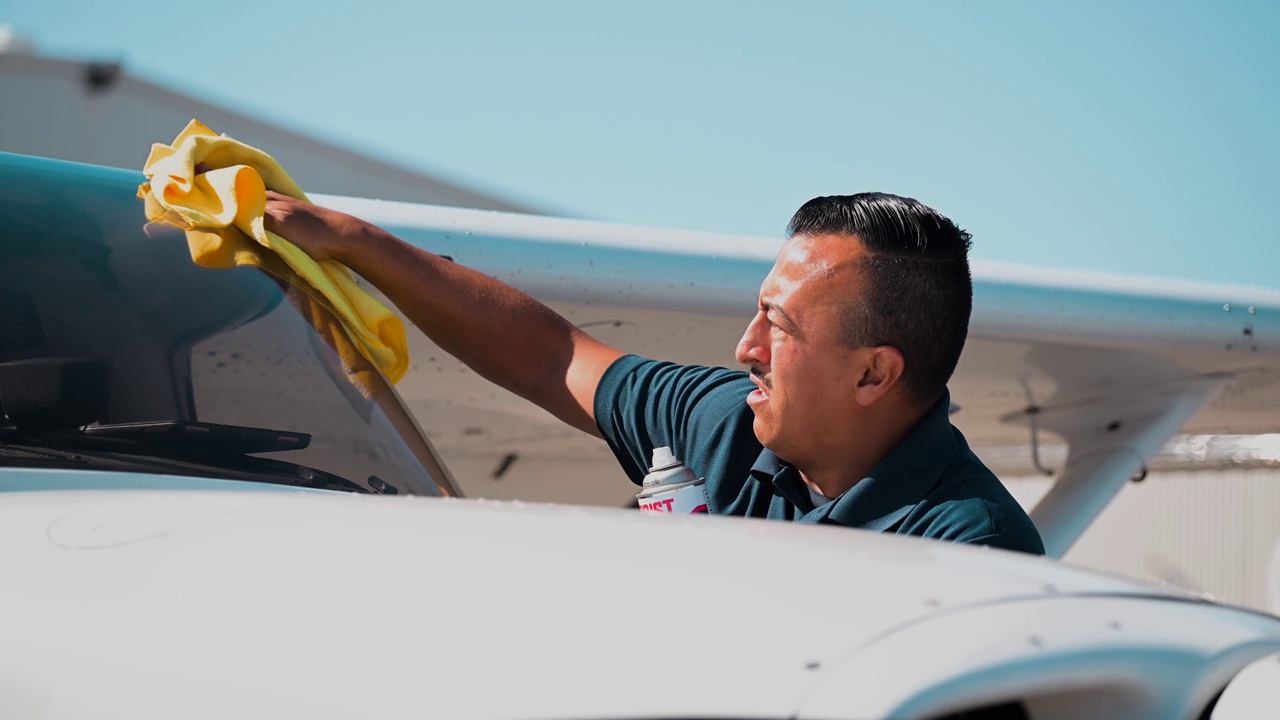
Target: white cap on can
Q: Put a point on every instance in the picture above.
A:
(663, 458)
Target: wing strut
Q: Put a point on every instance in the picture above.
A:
(1110, 439)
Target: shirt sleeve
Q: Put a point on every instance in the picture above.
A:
(699, 412)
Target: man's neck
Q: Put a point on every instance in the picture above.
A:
(836, 472)
(833, 485)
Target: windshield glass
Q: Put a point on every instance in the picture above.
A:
(114, 344)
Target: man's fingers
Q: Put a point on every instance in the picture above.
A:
(300, 222)
(274, 215)
(276, 212)
(280, 208)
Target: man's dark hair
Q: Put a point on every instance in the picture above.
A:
(918, 294)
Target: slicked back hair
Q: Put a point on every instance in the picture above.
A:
(917, 293)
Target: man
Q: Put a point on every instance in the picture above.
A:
(843, 417)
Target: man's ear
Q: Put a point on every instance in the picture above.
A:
(881, 370)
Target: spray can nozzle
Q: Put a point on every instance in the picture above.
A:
(663, 458)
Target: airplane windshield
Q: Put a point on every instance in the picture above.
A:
(116, 348)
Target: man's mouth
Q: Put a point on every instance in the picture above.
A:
(763, 386)
(761, 379)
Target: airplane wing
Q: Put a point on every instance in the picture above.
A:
(1083, 375)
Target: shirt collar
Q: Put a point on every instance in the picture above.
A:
(770, 468)
(903, 479)
(767, 466)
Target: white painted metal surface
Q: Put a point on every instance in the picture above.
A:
(201, 604)
(1064, 658)
(1251, 694)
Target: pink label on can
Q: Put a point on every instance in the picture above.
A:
(687, 500)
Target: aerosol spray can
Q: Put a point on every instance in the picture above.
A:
(670, 487)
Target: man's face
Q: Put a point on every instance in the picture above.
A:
(805, 378)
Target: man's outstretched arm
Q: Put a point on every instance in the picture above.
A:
(503, 334)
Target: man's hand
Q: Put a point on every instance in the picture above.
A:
(321, 233)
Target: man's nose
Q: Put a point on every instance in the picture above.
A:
(751, 351)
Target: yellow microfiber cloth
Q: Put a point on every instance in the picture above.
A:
(222, 211)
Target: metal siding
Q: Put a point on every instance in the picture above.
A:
(1207, 531)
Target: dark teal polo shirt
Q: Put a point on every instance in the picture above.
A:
(930, 485)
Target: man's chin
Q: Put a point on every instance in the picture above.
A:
(764, 433)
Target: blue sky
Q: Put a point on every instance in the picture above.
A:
(1133, 137)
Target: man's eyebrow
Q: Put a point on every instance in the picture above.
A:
(768, 306)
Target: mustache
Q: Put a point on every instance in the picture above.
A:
(764, 379)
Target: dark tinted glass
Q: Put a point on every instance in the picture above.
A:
(92, 303)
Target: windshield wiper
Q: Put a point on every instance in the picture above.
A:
(177, 447)
(189, 435)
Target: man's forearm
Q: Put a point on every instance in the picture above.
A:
(502, 333)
